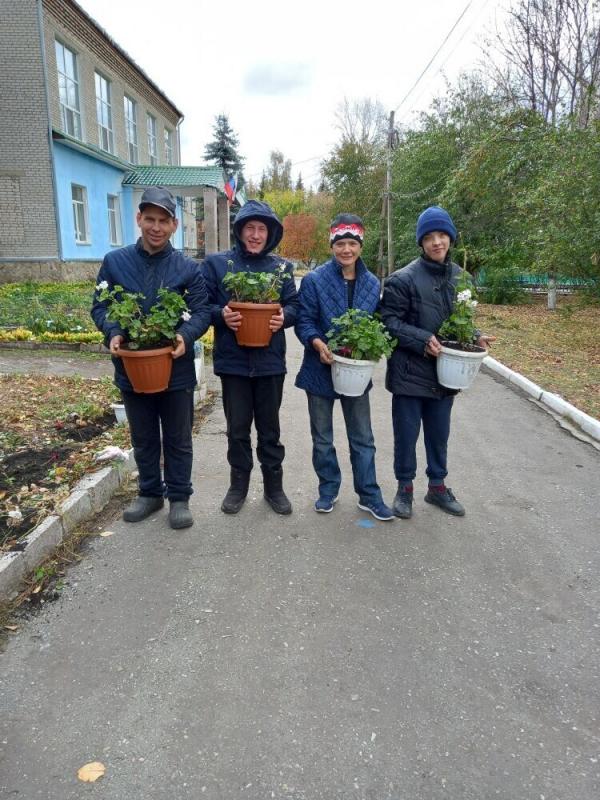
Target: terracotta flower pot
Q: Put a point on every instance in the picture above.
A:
(149, 371)
(254, 330)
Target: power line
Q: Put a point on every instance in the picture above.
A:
(432, 59)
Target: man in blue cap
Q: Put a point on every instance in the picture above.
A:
(161, 421)
(416, 301)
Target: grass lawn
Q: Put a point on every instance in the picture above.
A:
(558, 350)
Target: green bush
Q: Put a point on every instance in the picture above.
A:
(502, 289)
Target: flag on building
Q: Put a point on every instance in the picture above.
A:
(231, 188)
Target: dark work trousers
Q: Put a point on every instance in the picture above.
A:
(407, 413)
(247, 399)
(173, 413)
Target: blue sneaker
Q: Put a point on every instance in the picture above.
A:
(324, 505)
(378, 510)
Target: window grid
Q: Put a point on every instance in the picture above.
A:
(80, 213)
(169, 147)
(114, 219)
(68, 90)
(151, 128)
(130, 108)
(104, 114)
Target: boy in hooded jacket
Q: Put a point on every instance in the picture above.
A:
(251, 377)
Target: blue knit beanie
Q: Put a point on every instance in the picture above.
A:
(432, 219)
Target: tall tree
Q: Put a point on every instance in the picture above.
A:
(550, 58)
(222, 151)
(278, 176)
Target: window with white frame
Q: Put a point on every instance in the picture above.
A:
(114, 219)
(80, 213)
(68, 89)
(104, 113)
(168, 147)
(130, 109)
(152, 149)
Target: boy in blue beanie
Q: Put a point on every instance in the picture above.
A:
(417, 299)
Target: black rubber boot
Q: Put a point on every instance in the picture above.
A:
(237, 492)
(180, 515)
(142, 507)
(274, 494)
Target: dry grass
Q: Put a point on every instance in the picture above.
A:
(558, 350)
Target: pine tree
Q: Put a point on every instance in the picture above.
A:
(299, 184)
(222, 151)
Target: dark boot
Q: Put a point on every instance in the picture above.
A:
(142, 507)
(403, 502)
(237, 492)
(180, 515)
(443, 498)
(274, 494)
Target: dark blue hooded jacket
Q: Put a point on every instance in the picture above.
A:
(229, 358)
(323, 296)
(137, 271)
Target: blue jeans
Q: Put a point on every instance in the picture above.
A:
(407, 413)
(357, 416)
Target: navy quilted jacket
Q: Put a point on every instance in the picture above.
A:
(229, 358)
(137, 271)
(323, 296)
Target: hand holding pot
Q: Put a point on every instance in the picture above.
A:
(276, 321)
(233, 319)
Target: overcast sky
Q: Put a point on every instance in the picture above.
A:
(278, 70)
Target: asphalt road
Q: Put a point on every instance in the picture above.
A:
(331, 656)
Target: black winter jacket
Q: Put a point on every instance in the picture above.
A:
(417, 299)
(229, 358)
(137, 271)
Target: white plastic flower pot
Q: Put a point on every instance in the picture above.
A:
(120, 414)
(350, 376)
(457, 369)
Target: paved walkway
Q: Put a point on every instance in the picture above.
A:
(331, 656)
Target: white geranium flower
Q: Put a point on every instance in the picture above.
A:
(463, 296)
(473, 303)
(186, 316)
(102, 285)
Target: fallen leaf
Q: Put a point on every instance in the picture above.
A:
(37, 589)
(91, 772)
(107, 533)
(11, 627)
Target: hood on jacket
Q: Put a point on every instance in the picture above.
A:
(255, 209)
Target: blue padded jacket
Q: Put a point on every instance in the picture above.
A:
(137, 271)
(323, 296)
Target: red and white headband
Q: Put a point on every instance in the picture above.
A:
(346, 230)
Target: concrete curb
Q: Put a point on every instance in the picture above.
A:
(89, 496)
(554, 403)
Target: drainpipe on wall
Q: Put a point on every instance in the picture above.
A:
(40, 18)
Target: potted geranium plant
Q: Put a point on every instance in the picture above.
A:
(460, 359)
(358, 340)
(149, 336)
(256, 296)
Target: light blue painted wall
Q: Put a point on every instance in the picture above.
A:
(100, 180)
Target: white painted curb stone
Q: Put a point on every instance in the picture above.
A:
(587, 424)
(89, 496)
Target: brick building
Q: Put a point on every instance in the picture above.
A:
(83, 130)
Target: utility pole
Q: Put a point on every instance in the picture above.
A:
(388, 191)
